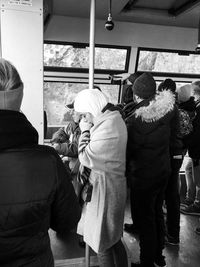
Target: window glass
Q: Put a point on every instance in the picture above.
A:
(58, 94)
(70, 56)
(168, 62)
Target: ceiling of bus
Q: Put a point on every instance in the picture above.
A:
(181, 13)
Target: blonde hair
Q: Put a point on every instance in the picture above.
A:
(9, 76)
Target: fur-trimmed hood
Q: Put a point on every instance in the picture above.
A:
(157, 108)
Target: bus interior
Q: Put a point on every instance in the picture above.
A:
(49, 42)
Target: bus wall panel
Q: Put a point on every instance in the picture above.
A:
(22, 44)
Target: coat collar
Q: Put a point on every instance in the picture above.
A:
(16, 130)
(157, 108)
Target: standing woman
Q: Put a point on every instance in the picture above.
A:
(35, 190)
(102, 149)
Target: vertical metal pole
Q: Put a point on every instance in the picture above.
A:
(92, 44)
(91, 85)
(87, 255)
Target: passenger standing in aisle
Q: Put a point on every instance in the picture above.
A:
(187, 107)
(193, 144)
(149, 129)
(35, 190)
(68, 146)
(172, 193)
(128, 105)
(102, 149)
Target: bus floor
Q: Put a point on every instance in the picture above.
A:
(68, 253)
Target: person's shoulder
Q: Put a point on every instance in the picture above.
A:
(45, 149)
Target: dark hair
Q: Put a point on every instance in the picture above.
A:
(9, 76)
(167, 84)
(134, 76)
(127, 95)
(97, 87)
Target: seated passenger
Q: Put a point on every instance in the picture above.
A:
(35, 191)
(102, 150)
(65, 142)
(172, 192)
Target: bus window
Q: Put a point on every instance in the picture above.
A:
(168, 62)
(75, 56)
(58, 94)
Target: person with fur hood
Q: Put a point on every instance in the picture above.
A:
(150, 126)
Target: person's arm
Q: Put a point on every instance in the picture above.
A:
(192, 139)
(59, 136)
(69, 149)
(176, 143)
(65, 210)
(122, 76)
(96, 150)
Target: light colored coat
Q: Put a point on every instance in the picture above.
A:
(105, 155)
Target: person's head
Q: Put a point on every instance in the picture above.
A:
(90, 102)
(127, 96)
(11, 87)
(75, 115)
(144, 87)
(184, 93)
(196, 89)
(167, 84)
(133, 77)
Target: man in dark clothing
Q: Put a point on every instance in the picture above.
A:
(172, 193)
(35, 190)
(193, 144)
(150, 127)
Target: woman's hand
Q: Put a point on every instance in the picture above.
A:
(85, 125)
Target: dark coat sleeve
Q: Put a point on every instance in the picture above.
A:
(65, 211)
(176, 143)
(70, 149)
(192, 141)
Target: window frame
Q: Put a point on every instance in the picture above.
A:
(77, 80)
(167, 74)
(86, 70)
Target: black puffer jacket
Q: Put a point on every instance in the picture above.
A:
(193, 140)
(35, 194)
(153, 131)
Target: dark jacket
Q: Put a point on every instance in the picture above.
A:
(193, 140)
(190, 107)
(152, 134)
(68, 140)
(35, 194)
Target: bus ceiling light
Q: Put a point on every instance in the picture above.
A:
(109, 25)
